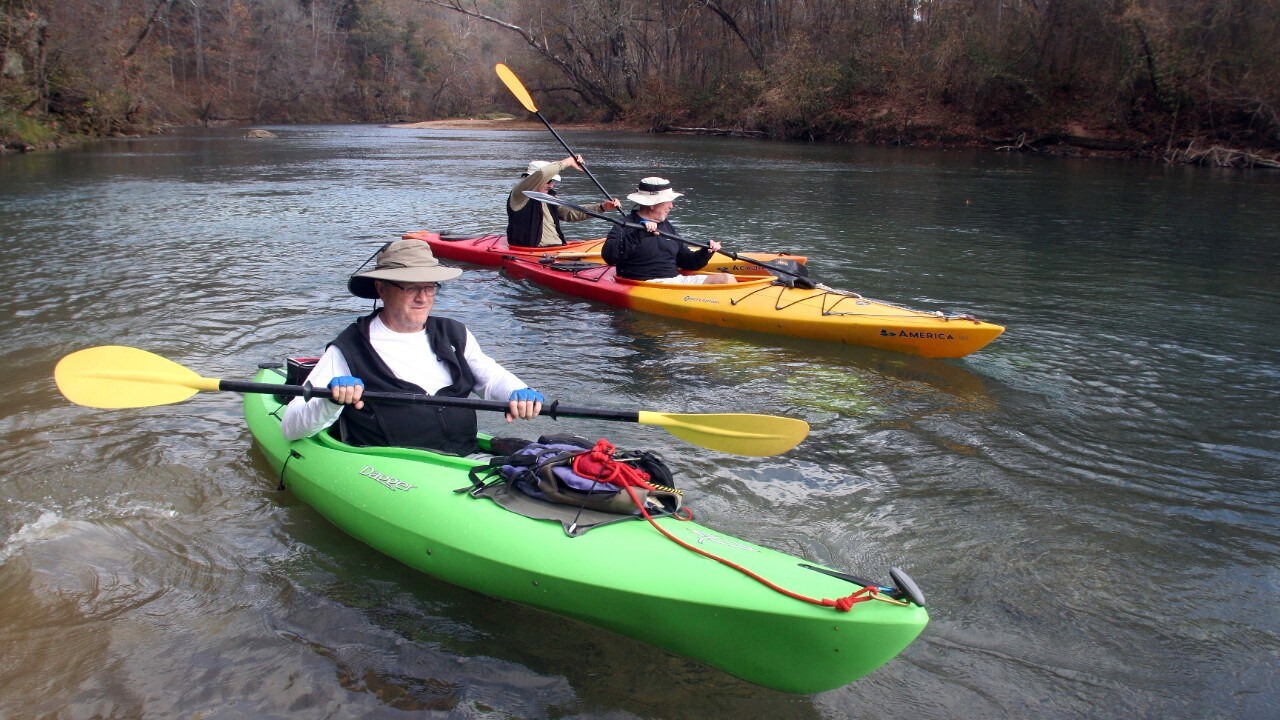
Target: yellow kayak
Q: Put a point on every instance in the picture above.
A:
(771, 306)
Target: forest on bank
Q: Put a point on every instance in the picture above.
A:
(1186, 80)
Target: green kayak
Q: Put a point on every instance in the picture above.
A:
(403, 503)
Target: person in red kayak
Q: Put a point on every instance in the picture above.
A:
(402, 347)
(639, 253)
(534, 224)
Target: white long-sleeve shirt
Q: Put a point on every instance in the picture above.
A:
(410, 357)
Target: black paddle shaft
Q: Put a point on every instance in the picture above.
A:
(582, 165)
(553, 410)
(553, 200)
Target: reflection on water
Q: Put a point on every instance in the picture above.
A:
(1089, 489)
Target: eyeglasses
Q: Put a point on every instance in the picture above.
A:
(427, 289)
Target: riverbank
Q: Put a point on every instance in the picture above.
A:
(29, 136)
(1074, 141)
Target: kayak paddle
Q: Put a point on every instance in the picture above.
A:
(115, 376)
(517, 88)
(802, 279)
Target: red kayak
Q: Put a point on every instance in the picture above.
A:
(489, 250)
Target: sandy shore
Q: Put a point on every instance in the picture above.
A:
(499, 124)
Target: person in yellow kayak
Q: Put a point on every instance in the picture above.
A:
(535, 224)
(640, 253)
(402, 347)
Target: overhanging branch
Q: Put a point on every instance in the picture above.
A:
(585, 85)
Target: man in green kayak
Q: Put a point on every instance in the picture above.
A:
(402, 347)
(640, 253)
(534, 224)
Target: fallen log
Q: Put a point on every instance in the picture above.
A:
(1038, 144)
(731, 132)
(1218, 156)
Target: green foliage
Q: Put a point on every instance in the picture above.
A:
(415, 50)
(372, 35)
(16, 127)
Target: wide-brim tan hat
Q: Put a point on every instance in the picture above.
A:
(653, 191)
(535, 166)
(402, 261)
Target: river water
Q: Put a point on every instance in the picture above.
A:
(1089, 503)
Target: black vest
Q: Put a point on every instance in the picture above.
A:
(639, 255)
(450, 430)
(524, 226)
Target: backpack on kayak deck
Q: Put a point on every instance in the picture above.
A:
(557, 471)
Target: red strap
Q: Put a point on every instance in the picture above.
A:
(844, 604)
(599, 464)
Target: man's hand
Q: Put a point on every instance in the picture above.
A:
(346, 390)
(525, 404)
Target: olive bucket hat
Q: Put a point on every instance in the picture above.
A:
(402, 261)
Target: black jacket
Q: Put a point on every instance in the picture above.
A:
(641, 255)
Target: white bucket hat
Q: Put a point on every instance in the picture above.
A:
(406, 261)
(653, 191)
(537, 165)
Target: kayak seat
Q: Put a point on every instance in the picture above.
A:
(296, 370)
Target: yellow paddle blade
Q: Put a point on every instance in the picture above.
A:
(736, 433)
(115, 376)
(515, 86)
